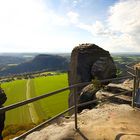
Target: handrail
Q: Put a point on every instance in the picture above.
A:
(42, 124)
(69, 109)
(16, 105)
(131, 73)
(130, 67)
(105, 98)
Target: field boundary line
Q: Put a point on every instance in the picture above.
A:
(32, 111)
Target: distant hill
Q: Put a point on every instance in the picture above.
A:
(5, 60)
(40, 62)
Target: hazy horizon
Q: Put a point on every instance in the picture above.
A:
(3, 53)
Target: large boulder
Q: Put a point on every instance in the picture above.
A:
(87, 62)
(103, 68)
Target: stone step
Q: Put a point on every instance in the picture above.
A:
(122, 99)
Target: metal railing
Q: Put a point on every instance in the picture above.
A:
(16, 105)
(136, 77)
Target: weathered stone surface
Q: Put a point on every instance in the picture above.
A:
(106, 122)
(137, 66)
(103, 68)
(84, 58)
(112, 89)
(88, 94)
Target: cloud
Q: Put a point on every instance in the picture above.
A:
(124, 20)
(124, 16)
(73, 17)
(121, 30)
(28, 25)
(95, 29)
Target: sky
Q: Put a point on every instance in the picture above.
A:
(59, 25)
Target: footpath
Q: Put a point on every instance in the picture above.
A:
(32, 110)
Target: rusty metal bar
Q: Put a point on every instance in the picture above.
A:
(42, 124)
(131, 73)
(115, 79)
(129, 67)
(16, 105)
(50, 94)
(75, 109)
(134, 91)
(104, 99)
(59, 115)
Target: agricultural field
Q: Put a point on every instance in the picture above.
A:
(121, 60)
(20, 90)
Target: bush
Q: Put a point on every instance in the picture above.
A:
(12, 131)
(96, 83)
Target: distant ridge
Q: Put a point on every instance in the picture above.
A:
(40, 62)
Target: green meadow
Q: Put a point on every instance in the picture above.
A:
(20, 90)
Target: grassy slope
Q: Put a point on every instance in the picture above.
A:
(56, 103)
(16, 91)
(35, 107)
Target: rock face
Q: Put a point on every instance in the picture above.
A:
(107, 122)
(103, 68)
(87, 62)
(88, 94)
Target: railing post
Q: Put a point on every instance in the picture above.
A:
(134, 91)
(75, 109)
(135, 86)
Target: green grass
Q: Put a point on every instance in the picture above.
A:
(56, 103)
(43, 109)
(15, 92)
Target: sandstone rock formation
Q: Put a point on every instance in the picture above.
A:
(107, 122)
(87, 62)
(137, 66)
(88, 94)
(113, 89)
(92, 92)
(103, 68)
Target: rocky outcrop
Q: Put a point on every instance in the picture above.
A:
(93, 92)
(107, 122)
(103, 68)
(88, 94)
(87, 62)
(137, 66)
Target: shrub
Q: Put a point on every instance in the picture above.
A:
(12, 131)
(96, 83)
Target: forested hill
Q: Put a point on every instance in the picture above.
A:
(5, 60)
(40, 62)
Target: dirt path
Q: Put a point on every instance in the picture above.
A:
(33, 114)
